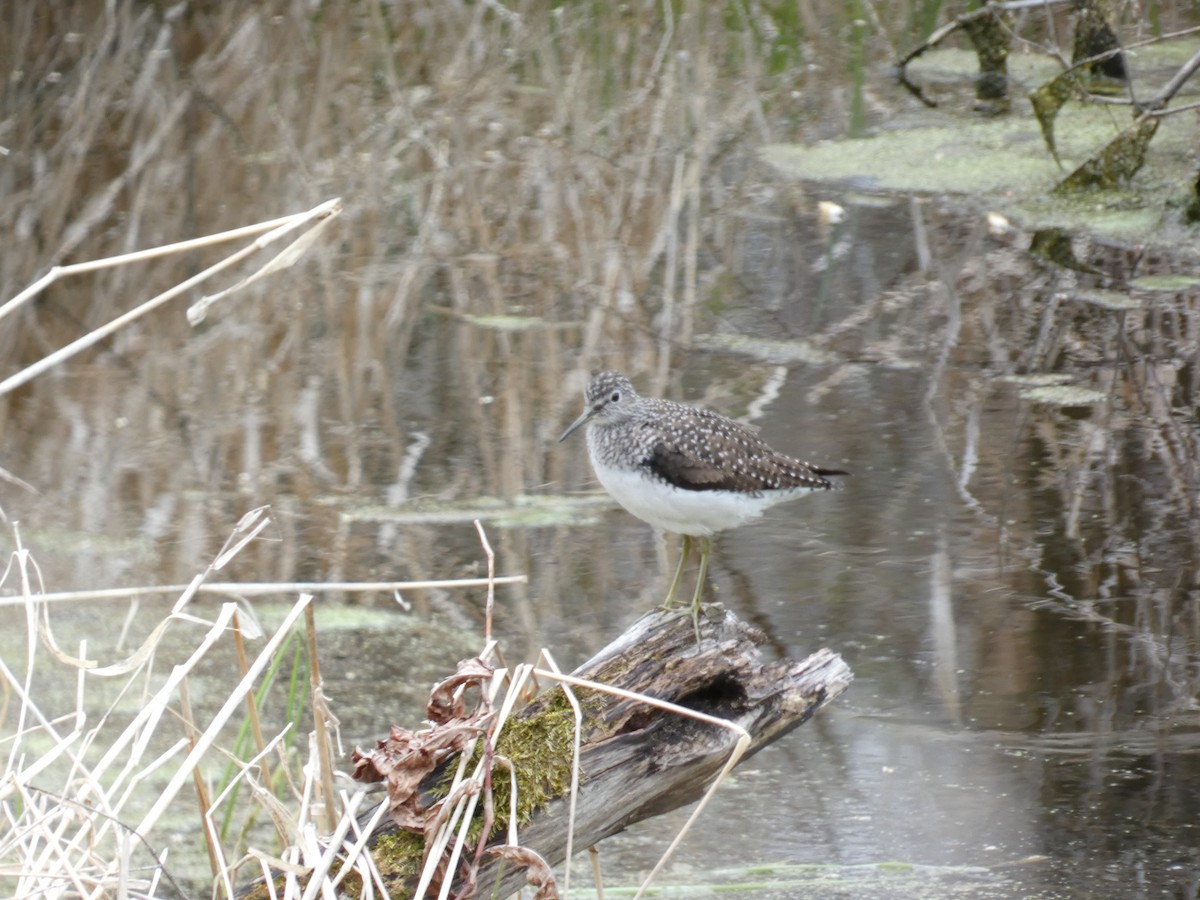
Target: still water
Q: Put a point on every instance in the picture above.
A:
(1010, 570)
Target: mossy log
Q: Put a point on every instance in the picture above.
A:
(638, 761)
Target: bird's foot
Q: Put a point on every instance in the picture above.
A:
(696, 622)
(680, 611)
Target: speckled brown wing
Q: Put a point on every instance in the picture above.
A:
(691, 474)
(705, 451)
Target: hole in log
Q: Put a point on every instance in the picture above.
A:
(722, 696)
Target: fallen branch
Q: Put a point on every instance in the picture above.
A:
(635, 760)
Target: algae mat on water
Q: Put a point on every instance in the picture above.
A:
(1005, 163)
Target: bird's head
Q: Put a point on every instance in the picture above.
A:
(609, 398)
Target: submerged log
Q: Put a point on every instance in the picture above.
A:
(638, 761)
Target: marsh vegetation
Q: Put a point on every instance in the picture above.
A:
(531, 193)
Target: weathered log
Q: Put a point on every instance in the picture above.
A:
(639, 761)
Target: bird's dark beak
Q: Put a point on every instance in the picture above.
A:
(587, 414)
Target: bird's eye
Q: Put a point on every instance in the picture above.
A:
(616, 397)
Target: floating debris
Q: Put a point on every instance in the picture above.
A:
(512, 322)
(1037, 379)
(830, 213)
(1108, 299)
(527, 511)
(1166, 283)
(998, 224)
(772, 351)
(1064, 395)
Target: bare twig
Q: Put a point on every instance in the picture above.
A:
(317, 213)
(1171, 88)
(322, 739)
(259, 589)
(491, 581)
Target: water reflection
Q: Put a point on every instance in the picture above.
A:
(1011, 577)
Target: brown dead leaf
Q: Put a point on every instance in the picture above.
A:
(404, 759)
(443, 704)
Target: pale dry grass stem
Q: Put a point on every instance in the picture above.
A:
(248, 589)
(275, 229)
(92, 802)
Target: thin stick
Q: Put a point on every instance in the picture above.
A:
(222, 716)
(575, 749)
(232, 786)
(319, 880)
(320, 725)
(363, 835)
(257, 589)
(328, 208)
(239, 645)
(211, 839)
(594, 857)
(109, 262)
(491, 581)
(1172, 87)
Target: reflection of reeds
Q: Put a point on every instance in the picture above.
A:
(1098, 387)
(559, 166)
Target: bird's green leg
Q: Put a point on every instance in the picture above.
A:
(683, 555)
(705, 551)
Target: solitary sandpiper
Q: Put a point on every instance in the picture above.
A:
(685, 469)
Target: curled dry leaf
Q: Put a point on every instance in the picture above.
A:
(444, 703)
(537, 872)
(404, 759)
